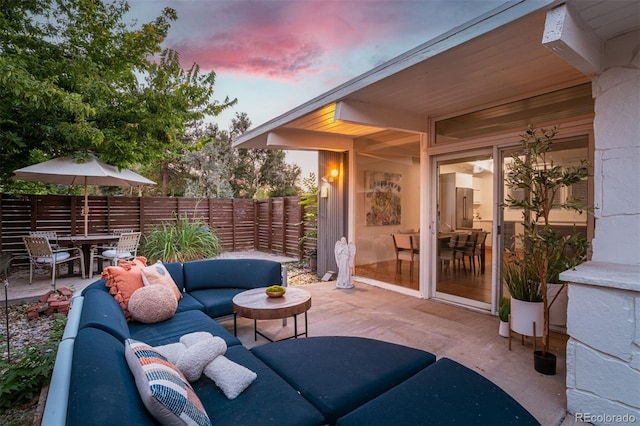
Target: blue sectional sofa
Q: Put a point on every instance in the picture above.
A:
(310, 381)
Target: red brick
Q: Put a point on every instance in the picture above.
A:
(45, 296)
(64, 291)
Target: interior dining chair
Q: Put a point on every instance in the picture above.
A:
(125, 249)
(453, 253)
(41, 255)
(476, 251)
(403, 244)
(469, 250)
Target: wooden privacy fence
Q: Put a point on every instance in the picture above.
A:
(273, 225)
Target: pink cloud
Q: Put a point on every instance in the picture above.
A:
(276, 56)
(278, 39)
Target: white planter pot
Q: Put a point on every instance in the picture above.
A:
(557, 311)
(524, 314)
(503, 329)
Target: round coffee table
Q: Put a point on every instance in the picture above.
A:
(256, 305)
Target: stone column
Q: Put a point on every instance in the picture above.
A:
(603, 353)
(603, 318)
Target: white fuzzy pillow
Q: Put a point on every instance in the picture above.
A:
(152, 304)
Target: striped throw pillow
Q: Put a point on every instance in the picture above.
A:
(162, 387)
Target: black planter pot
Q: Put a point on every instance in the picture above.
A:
(544, 364)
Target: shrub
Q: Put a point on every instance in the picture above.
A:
(181, 241)
(30, 369)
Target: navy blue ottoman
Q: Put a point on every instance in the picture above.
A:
(444, 393)
(338, 374)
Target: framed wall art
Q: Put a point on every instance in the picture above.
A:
(382, 200)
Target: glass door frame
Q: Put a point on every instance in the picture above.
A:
(434, 261)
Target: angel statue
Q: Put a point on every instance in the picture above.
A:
(345, 255)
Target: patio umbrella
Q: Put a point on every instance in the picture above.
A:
(68, 171)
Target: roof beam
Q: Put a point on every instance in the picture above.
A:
(378, 116)
(569, 37)
(305, 140)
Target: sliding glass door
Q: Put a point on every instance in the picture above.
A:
(463, 254)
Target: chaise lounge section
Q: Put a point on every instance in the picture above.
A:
(311, 381)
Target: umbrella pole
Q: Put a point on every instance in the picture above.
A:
(86, 208)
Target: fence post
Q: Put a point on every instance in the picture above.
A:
(34, 211)
(256, 225)
(284, 226)
(233, 224)
(73, 207)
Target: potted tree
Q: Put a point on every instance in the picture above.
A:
(545, 251)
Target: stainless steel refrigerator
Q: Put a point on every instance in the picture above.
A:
(464, 208)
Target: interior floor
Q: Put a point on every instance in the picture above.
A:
(456, 281)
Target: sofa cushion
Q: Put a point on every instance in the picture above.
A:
(99, 284)
(153, 303)
(231, 273)
(341, 373)
(189, 303)
(102, 389)
(448, 393)
(163, 388)
(269, 400)
(181, 323)
(100, 310)
(217, 302)
(175, 270)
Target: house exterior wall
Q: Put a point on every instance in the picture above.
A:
(332, 223)
(603, 352)
(617, 153)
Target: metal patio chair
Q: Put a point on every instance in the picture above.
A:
(126, 249)
(42, 256)
(52, 236)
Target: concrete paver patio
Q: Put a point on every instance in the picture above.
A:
(464, 335)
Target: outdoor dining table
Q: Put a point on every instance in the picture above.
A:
(85, 242)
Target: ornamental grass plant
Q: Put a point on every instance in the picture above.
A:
(521, 281)
(181, 241)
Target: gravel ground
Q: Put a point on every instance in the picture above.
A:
(23, 331)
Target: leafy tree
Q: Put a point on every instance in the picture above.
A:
(70, 83)
(221, 171)
(177, 100)
(260, 172)
(211, 165)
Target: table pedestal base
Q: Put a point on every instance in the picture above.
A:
(256, 332)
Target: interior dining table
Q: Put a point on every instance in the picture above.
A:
(86, 242)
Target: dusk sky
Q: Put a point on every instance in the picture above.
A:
(274, 55)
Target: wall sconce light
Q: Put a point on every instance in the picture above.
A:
(333, 173)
